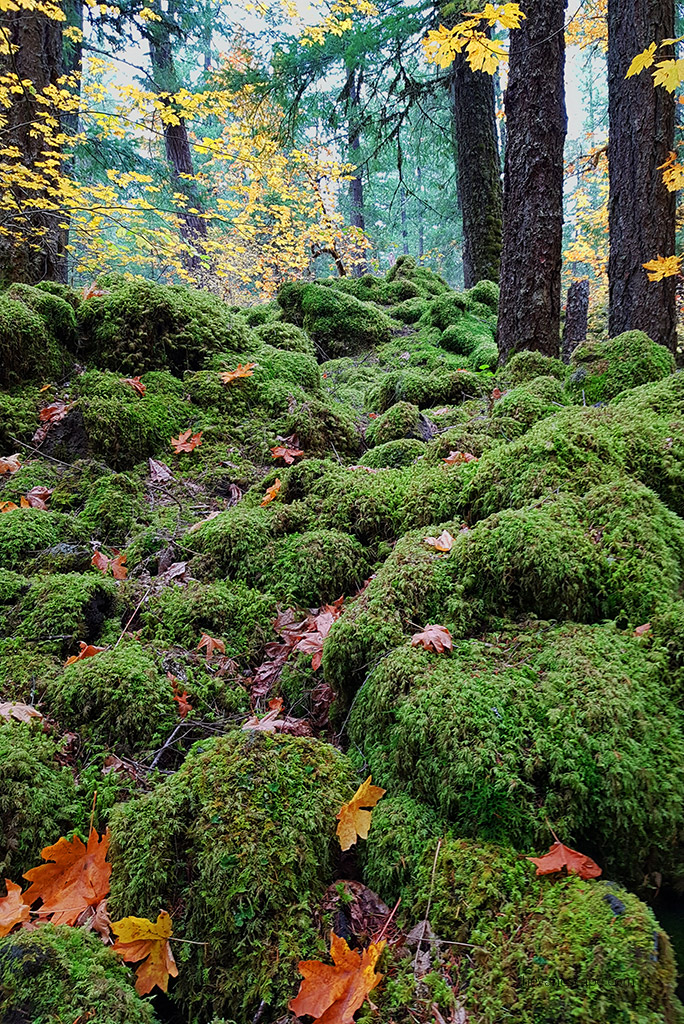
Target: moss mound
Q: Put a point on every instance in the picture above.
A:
(602, 369)
(254, 817)
(39, 801)
(26, 532)
(54, 975)
(337, 322)
(394, 454)
(525, 366)
(285, 336)
(568, 725)
(400, 420)
(532, 401)
(117, 698)
(29, 347)
(66, 607)
(139, 326)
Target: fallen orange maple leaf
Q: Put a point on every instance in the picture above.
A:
(332, 995)
(13, 910)
(54, 412)
(433, 638)
(210, 645)
(456, 458)
(10, 464)
(10, 506)
(140, 939)
(288, 455)
(186, 443)
(135, 383)
(76, 878)
(444, 542)
(353, 821)
(271, 492)
(87, 651)
(242, 370)
(117, 565)
(562, 858)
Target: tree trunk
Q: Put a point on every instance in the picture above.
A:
(641, 210)
(404, 221)
(479, 171)
(357, 219)
(72, 58)
(177, 144)
(32, 250)
(421, 221)
(529, 309)
(576, 317)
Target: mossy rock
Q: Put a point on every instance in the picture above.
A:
(530, 402)
(486, 292)
(394, 454)
(323, 427)
(426, 279)
(485, 356)
(614, 555)
(57, 975)
(39, 800)
(410, 310)
(600, 370)
(285, 336)
(139, 325)
(339, 323)
(540, 950)
(241, 616)
(313, 568)
(242, 839)
(119, 698)
(26, 532)
(262, 313)
(424, 388)
(466, 335)
(112, 507)
(28, 347)
(55, 311)
(664, 397)
(573, 725)
(400, 420)
(18, 415)
(525, 366)
(64, 608)
(447, 309)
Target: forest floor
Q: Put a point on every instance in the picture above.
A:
(251, 557)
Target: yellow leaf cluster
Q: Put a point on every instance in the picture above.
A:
(470, 35)
(663, 266)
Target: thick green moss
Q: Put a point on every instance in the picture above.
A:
(140, 325)
(18, 415)
(525, 366)
(118, 698)
(424, 388)
(56, 313)
(263, 313)
(406, 269)
(285, 336)
(28, 349)
(410, 310)
(664, 397)
(614, 555)
(323, 427)
(394, 454)
(61, 975)
(602, 369)
(314, 567)
(337, 322)
(393, 855)
(65, 608)
(466, 335)
(38, 799)
(571, 725)
(486, 292)
(485, 356)
(26, 532)
(242, 840)
(400, 420)
(112, 507)
(530, 402)
(447, 310)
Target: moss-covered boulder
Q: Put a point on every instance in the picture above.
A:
(406, 269)
(112, 507)
(394, 454)
(573, 725)
(532, 401)
(59, 975)
(242, 840)
(337, 322)
(119, 698)
(62, 608)
(39, 802)
(285, 336)
(540, 950)
(600, 370)
(525, 366)
(400, 420)
(26, 532)
(29, 347)
(140, 325)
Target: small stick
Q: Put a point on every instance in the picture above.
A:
(429, 904)
(92, 813)
(168, 742)
(386, 924)
(135, 612)
(24, 444)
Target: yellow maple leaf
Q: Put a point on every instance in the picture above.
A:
(662, 267)
(140, 939)
(673, 173)
(353, 820)
(506, 15)
(485, 54)
(642, 60)
(669, 73)
(441, 46)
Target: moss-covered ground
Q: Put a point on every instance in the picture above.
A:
(284, 557)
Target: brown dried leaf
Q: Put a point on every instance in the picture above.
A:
(433, 638)
(444, 542)
(10, 464)
(20, 712)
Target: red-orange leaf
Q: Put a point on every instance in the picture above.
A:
(332, 995)
(76, 878)
(54, 412)
(10, 464)
(186, 442)
(271, 492)
(288, 455)
(13, 910)
(135, 383)
(140, 939)
(456, 458)
(37, 497)
(353, 820)
(210, 645)
(93, 290)
(87, 651)
(433, 638)
(562, 858)
(246, 370)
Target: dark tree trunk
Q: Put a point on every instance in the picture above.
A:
(421, 222)
(529, 309)
(357, 219)
(576, 317)
(176, 141)
(479, 171)
(72, 58)
(404, 221)
(32, 250)
(641, 210)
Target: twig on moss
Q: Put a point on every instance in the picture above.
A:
(24, 444)
(135, 612)
(429, 904)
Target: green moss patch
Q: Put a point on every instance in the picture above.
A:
(602, 369)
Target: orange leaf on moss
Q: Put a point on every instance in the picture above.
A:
(76, 877)
(271, 492)
(562, 859)
(353, 820)
(13, 909)
(333, 994)
(242, 370)
(87, 651)
(140, 939)
(186, 442)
